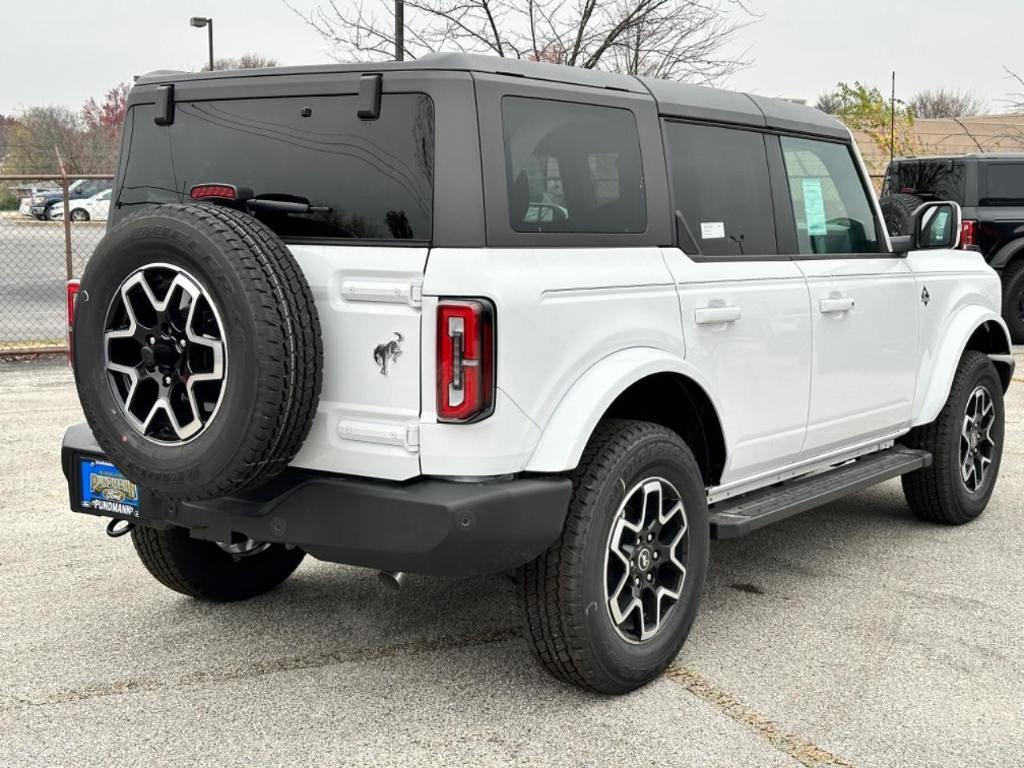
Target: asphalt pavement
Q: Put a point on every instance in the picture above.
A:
(853, 635)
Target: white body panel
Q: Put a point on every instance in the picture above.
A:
(963, 293)
(865, 317)
(794, 388)
(367, 423)
(759, 364)
(560, 311)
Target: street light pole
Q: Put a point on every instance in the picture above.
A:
(202, 21)
(399, 30)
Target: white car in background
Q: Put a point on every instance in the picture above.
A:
(93, 208)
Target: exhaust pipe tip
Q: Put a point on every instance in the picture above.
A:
(393, 580)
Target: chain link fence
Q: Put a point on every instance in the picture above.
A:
(48, 231)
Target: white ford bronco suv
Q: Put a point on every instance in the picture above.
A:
(464, 315)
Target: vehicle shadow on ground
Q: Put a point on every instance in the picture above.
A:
(329, 615)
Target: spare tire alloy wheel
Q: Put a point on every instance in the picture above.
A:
(645, 564)
(197, 351)
(165, 353)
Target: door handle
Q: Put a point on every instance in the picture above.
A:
(715, 315)
(836, 306)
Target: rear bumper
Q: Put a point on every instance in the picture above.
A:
(422, 526)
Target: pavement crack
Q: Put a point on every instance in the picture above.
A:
(800, 749)
(257, 669)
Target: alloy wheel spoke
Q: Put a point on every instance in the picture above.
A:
(644, 575)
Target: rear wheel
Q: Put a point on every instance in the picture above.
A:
(1013, 300)
(966, 443)
(79, 215)
(213, 571)
(608, 606)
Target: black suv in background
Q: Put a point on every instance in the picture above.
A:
(990, 189)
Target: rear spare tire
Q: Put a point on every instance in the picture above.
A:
(898, 212)
(197, 350)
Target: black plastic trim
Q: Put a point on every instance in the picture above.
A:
(744, 514)
(426, 525)
(370, 87)
(164, 105)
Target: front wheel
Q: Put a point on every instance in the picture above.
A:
(608, 606)
(208, 570)
(79, 215)
(966, 443)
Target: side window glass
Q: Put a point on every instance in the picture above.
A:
(720, 185)
(832, 209)
(572, 167)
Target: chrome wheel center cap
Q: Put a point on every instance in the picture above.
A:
(643, 559)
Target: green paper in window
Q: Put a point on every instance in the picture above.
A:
(814, 207)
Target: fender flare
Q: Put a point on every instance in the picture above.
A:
(954, 341)
(577, 414)
(1010, 251)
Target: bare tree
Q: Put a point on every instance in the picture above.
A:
(946, 102)
(676, 39)
(245, 61)
(1016, 99)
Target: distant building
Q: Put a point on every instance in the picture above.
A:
(946, 136)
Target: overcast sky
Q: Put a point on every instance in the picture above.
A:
(76, 49)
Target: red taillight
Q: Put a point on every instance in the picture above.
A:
(465, 360)
(214, 192)
(968, 233)
(72, 295)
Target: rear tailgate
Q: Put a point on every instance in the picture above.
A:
(368, 298)
(367, 180)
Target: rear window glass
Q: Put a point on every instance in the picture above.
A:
(1004, 184)
(369, 179)
(572, 167)
(934, 180)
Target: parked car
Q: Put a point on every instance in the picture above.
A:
(527, 316)
(990, 188)
(44, 205)
(93, 208)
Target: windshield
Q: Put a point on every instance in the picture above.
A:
(365, 179)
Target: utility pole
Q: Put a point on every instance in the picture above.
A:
(399, 30)
(892, 120)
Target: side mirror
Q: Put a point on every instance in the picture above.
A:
(936, 225)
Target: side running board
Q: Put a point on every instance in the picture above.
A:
(737, 517)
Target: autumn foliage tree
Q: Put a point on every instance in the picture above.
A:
(87, 140)
(867, 110)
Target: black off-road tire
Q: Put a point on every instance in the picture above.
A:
(938, 493)
(1013, 299)
(568, 623)
(202, 570)
(273, 347)
(898, 212)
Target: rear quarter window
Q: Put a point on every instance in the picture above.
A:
(1004, 184)
(371, 179)
(572, 167)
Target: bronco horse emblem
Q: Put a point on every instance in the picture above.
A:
(388, 352)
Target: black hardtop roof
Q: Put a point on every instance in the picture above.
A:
(674, 99)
